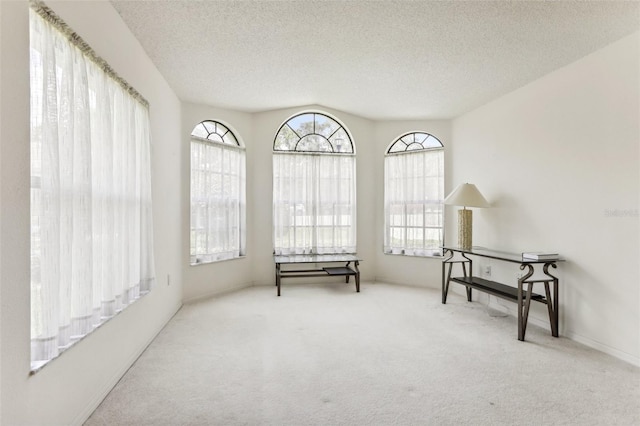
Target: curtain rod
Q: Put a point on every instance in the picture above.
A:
(51, 17)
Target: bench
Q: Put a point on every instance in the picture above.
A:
(347, 270)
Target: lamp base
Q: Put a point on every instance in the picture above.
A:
(465, 229)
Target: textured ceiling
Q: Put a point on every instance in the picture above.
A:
(375, 59)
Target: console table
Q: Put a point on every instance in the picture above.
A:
(346, 270)
(521, 295)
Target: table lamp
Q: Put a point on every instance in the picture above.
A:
(465, 195)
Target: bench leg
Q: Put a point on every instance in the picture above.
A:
(355, 266)
(278, 277)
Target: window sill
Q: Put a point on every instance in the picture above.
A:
(432, 256)
(37, 366)
(218, 261)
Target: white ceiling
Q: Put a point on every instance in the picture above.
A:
(375, 59)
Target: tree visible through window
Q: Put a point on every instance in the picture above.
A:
(314, 190)
(217, 194)
(413, 196)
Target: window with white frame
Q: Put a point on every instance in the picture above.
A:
(413, 195)
(91, 217)
(314, 187)
(217, 194)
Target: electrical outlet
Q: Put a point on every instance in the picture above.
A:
(487, 270)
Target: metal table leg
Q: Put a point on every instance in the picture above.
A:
(355, 266)
(552, 304)
(524, 303)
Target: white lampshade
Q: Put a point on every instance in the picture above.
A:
(466, 195)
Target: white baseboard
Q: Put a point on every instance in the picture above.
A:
(544, 323)
(394, 281)
(264, 283)
(218, 292)
(113, 381)
(510, 309)
(631, 359)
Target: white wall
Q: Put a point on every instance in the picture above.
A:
(407, 270)
(556, 157)
(68, 389)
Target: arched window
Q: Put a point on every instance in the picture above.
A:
(217, 194)
(313, 132)
(413, 195)
(314, 186)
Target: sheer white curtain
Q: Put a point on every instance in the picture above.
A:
(314, 203)
(217, 201)
(413, 203)
(91, 224)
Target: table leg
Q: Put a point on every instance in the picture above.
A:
(445, 281)
(556, 309)
(355, 266)
(278, 278)
(552, 305)
(551, 308)
(445, 284)
(464, 273)
(527, 304)
(346, 278)
(523, 305)
(520, 329)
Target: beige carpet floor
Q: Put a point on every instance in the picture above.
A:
(324, 355)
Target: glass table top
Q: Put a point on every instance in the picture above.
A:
(501, 255)
(315, 258)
